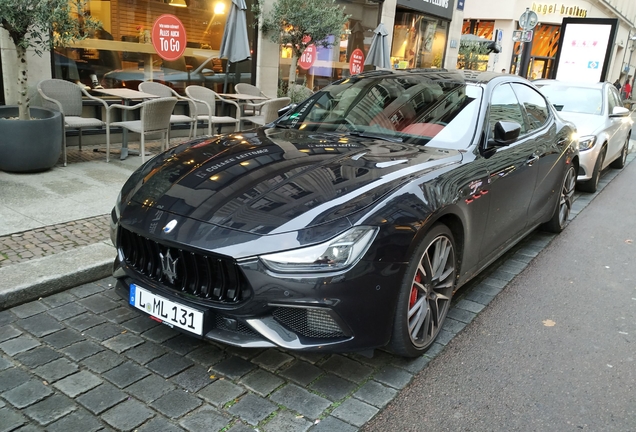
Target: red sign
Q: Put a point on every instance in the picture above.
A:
(308, 57)
(356, 61)
(169, 37)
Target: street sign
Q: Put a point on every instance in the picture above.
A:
(522, 35)
(528, 20)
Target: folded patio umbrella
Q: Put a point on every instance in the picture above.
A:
(235, 46)
(379, 50)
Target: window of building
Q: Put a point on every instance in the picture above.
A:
(332, 63)
(419, 40)
(121, 54)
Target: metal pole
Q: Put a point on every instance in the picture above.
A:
(518, 67)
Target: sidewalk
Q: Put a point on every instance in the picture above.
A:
(55, 231)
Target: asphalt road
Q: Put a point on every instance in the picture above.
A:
(555, 350)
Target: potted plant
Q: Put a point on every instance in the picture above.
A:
(33, 136)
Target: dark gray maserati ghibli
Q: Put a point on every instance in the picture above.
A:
(348, 223)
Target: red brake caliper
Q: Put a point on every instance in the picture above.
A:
(413, 298)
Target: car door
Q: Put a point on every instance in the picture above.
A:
(617, 127)
(512, 175)
(542, 128)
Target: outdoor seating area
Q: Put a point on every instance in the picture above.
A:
(152, 110)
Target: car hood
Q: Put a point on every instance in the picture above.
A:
(586, 124)
(271, 181)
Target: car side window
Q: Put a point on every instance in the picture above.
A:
(613, 100)
(535, 105)
(504, 106)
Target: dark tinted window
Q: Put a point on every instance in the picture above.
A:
(535, 105)
(504, 106)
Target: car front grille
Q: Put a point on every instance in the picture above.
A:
(203, 275)
(313, 323)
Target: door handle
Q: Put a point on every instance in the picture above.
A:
(532, 159)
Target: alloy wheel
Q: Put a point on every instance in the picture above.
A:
(431, 291)
(567, 191)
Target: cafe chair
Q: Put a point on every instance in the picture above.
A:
(163, 90)
(268, 111)
(205, 100)
(154, 118)
(66, 97)
(249, 89)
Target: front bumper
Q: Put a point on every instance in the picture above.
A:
(587, 161)
(350, 311)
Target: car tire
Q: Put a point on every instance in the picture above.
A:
(592, 184)
(620, 162)
(559, 218)
(425, 294)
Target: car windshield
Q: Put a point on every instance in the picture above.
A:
(574, 99)
(410, 109)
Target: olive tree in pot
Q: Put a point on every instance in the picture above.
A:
(32, 137)
(298, 24)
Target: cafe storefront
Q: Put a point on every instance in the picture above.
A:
(420, 33)
(121, 54)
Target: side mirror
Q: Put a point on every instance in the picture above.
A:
(619, 112)
(506, 132)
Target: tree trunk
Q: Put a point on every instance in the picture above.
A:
(292, 68)
(23, 87)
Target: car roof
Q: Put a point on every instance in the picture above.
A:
(459, 75)
(597, 85)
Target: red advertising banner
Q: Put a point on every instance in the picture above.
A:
(308, 57)
(356, 61)
(169, 37)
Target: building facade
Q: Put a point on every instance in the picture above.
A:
(536, 59)
(121, 53)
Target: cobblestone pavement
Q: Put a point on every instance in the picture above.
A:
(83, 360)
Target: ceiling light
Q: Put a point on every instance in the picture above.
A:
(178, 3)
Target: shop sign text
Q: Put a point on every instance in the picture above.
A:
(555, 8)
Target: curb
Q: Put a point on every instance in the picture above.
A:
(27, 281)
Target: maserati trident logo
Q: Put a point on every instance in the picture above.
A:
(169, 266)
(170, 226)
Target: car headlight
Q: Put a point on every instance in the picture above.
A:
(336, 254)
(118, 205)
(586, 142)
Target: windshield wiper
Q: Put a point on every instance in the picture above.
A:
(376, 135)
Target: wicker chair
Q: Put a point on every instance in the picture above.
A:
(66, 97)
(154, 118)
(268, 109)
(205, 100)
(251, 90)
(162, 90)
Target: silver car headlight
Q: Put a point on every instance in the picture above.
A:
(336, 254)
(586, 142)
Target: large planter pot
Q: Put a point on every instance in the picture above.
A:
(30, 145)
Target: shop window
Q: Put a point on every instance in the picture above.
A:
(332, 63)
(419, 41)
(120, 53)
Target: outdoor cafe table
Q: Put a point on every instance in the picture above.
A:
(126, 95)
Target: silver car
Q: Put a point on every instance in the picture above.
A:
(604, 126)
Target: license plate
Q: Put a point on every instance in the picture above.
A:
(169, 312)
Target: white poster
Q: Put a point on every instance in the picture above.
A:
(583, 52)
